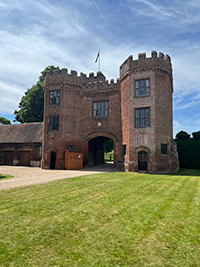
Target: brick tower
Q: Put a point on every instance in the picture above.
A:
(81, 113)
(146, 110)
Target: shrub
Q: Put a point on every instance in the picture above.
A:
(188, 151)
(196, 135)
(182, 135)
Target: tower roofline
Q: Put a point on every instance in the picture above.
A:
(156, 60)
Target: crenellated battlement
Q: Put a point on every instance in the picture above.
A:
(98, 80)
(135, 111)
(156, 61)
(63, 73)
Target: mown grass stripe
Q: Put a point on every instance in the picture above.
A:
(114, 219)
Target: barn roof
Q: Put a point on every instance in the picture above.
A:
(21, 133)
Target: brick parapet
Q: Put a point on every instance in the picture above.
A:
(77, 125)
(160, 63)
(58, 76)
(89, 86)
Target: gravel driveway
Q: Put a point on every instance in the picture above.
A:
(24, 176)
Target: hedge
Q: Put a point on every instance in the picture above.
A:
(189, 153)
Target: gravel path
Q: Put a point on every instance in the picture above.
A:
(24, 176)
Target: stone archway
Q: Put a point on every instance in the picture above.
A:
(96, 150)
(94, 147)
(143, 158)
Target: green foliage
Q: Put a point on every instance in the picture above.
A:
(31, 106)
(196, 135)
(42, 76)
(5, 176)
(4, 120)
(182, 135)
(188, 151)
(108, 219)
(108, 145)
(108, 156)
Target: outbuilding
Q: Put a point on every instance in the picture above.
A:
(21, 144)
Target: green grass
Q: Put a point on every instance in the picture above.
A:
(5, 176)
(113, 219)
(108, 156)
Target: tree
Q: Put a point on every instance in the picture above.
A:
(196, 135)
(4, 121)
(182, 135)
(31, 106)
(108, 145)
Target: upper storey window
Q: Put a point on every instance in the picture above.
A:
(53, 123)
(100, 109)
(142, 87)
(142, 117)
(54, 97)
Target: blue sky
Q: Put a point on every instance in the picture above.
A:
(68, 34)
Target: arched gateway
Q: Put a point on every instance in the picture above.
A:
(82, 112)
(94, 148)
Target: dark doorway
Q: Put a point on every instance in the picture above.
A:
(96, 150)
(8, 157)
(53, 160)
(142, 161)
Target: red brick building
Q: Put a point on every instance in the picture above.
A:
(21, 144)
(81, 113)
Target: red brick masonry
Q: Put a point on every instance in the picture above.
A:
(77, 126)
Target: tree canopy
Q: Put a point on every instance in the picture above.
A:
(31, 106)
(4, 121)
(182, 135)
(196, 135)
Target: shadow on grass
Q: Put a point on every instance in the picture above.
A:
(187, 172)
(5, 176)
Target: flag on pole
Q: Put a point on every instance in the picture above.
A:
(97, 57)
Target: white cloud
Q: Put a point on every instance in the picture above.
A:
(188, 105)
(35, 34)
(189, 124)
(171, 13)
(10, 97)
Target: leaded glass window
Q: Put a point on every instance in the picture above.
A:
(53, 123)
(142, 117)
(142, 88)
(54, 97)
(100, 109)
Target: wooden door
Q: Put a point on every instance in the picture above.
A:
(25, 158)
(8, 157)
(142, 161)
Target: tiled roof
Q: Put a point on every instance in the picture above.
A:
(21, 133)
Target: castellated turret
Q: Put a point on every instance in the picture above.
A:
(146, 108)
(82, 112)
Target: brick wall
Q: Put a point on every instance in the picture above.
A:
(77, 126)
(76, 123)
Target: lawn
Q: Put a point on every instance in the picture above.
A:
(113, 219)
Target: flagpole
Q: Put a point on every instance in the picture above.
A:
(99, 59)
